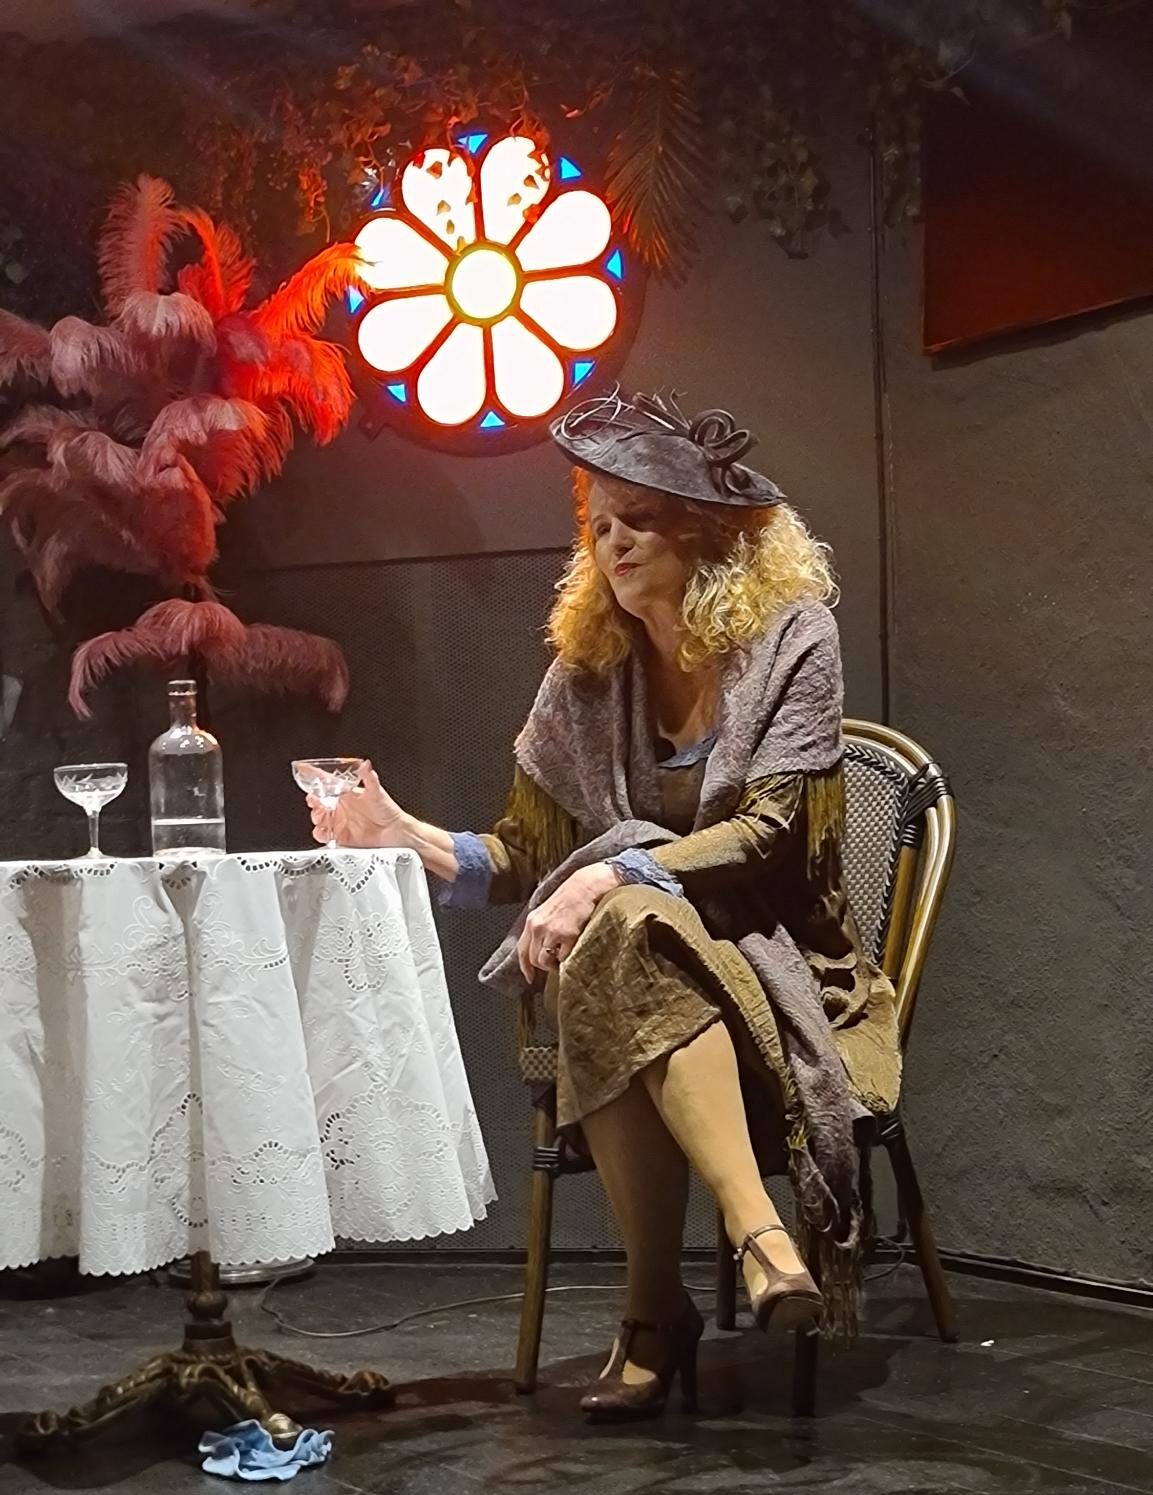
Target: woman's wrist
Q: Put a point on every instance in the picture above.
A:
(432, 845)
(402, 834)
(604, 877)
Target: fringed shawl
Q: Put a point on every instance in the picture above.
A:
(588, 745)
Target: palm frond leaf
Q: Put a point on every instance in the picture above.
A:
(301, 303)
(134, 244)
(655, 174)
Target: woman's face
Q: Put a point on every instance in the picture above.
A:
(645, 544)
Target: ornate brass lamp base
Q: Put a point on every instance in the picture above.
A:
(211, 1367)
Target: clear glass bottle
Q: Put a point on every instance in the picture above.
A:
(186, 781)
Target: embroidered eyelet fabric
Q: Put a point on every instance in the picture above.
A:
(249, 1055)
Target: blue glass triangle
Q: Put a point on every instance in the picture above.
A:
(379, 197)
(474, 142)
(492, 422)
(581, 369)
(398, 392)
(355, 299)
(614, 265)
(569, 170)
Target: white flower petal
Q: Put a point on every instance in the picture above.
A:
(529, 376)
(436, 187)
(451, 386)
(394, 334)
(577, 311)
(514, 177)
(572, 230)
(398, 257)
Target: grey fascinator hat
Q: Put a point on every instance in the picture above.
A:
(650, 441)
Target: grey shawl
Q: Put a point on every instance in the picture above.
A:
(587, 743)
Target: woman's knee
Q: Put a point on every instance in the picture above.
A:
(615, 946)
(625, 922)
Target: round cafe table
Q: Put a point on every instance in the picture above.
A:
(235, 1058)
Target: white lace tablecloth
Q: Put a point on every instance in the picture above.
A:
(251, 1055)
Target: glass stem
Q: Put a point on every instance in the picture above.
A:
(94, 833)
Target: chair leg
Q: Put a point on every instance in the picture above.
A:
(537, 1264)
(805, 1373)
(913, 1209)
(726, 1307)
(805, 1357)
(868, 1205)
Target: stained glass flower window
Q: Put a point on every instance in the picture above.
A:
(493, 288)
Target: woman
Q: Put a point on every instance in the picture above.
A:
(674, 827)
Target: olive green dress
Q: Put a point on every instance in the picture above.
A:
(650, 970)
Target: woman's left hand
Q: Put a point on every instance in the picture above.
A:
(551, 931)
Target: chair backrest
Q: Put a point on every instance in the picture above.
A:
(900, 837)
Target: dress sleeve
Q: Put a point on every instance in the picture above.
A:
(743, 848)
(533, 836)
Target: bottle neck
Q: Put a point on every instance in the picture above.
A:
(182, 710)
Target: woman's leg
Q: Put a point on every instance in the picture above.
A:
(646, 1178)
(697, 1091)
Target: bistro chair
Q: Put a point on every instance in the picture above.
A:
(899, 844)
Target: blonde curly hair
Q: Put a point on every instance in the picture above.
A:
(753, 562)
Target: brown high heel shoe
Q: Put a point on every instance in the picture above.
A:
(789, 1300)
(612, 1399)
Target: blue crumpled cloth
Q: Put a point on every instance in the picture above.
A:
(245, 1451)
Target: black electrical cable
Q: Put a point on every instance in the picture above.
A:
(407, 1318)
(701, 1289)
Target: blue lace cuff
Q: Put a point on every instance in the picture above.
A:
(473, 877)
(637, 866)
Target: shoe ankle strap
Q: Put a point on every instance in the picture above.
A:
(663, 1326)
(747, 1244)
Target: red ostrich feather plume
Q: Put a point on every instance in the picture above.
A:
(258, 657)
(134, 246)
(221, 278)
(25, 350)
(149, 425)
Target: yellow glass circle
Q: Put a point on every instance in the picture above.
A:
(483, 283)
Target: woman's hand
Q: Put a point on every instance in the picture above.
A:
(551, 931)
(368, 816)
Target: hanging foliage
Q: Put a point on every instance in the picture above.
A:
(283, 123)
(132, 436)
(655, 175)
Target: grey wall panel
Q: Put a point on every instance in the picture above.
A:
(1024, 660)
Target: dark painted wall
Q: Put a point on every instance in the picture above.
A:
(1023, 655)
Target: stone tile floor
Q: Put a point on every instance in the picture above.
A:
(1060, 1403)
